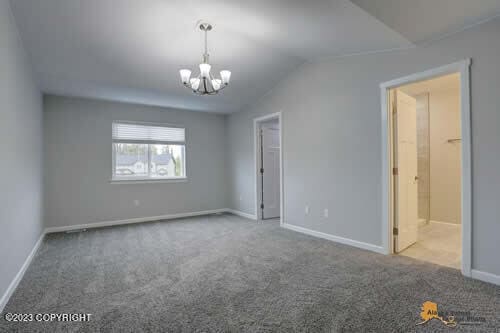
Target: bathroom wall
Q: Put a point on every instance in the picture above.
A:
(423, 154)
(445, 157)
(439, 161)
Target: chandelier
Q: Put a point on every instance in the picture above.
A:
(205, 83)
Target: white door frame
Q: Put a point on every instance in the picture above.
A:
(463, 68)
(256, 122)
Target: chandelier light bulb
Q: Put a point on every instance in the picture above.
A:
(216, 84)
(185, 75)
(205, 70)
(225, 75)
(195, 83)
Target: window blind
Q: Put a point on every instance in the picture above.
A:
(128, 132)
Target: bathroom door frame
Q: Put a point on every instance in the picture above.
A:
(463, 68)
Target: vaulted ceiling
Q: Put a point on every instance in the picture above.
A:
(131, 50)
(423, 20)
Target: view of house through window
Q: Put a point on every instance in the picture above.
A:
(142, 152)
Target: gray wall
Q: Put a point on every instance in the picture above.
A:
(20, 152)
(332, 139)
(78, 162)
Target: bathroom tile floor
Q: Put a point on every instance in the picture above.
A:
(438, 243)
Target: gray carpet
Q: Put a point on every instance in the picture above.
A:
(228, 274)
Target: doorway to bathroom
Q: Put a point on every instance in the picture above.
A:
(426, 150)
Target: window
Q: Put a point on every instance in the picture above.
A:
(146, 152)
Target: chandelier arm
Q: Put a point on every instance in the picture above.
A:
(222, 87)
(205, 84)
(211, 82)
(211, 79)
(202, 93)
(206, 91)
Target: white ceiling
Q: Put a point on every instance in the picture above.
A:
(131, 50)
(423, 20)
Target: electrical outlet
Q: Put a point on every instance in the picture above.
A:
(307, 210)
(325, 213)
(136, 203)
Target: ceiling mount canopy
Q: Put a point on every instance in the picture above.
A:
(205, 83)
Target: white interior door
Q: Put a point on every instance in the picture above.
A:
(270, 172)
(405, 153)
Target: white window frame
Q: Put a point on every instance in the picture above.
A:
(148, 179)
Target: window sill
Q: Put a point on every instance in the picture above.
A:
(147, 180)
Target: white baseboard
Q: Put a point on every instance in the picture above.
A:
(13, 285)
(422, 222)
(242, 214)
(342, 240)
(443, 222)
(133, 220)
(479, 275)
(15, 282)
(486, 277)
